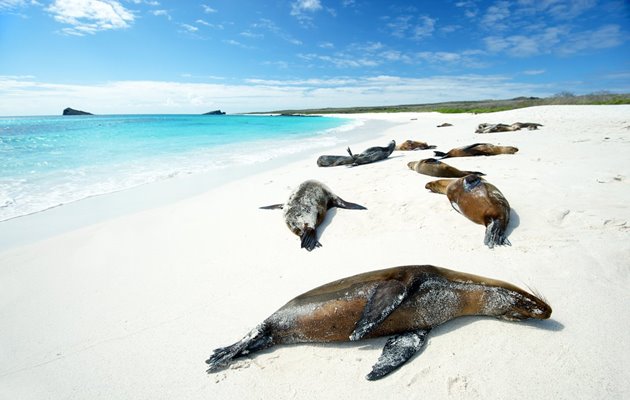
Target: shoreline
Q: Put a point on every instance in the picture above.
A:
(62, 218)
(130, 307)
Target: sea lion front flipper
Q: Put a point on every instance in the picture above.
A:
(495, 235)
(341, 203)
(384, 299)
(272, 207)
(397, 350)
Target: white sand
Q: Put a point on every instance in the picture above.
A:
(131, 307)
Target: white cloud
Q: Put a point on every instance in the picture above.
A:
(302, 10)
(90, 16)
(209, 25)
(406, 26)
(162, 13)
(301, 6)
(28, 97)
(189, 28)
(269, 25)
(559, 9)
(13, 4)
(326, 45)
(207, 9)
(559, 40)
(497, 16)
(534, 72)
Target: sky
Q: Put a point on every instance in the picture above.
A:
(194, 56)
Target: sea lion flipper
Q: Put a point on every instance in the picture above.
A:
(398, 349)
(272, 207)
(495, 235)
(384, 299)
(257, 339)
(341, 203)
(309, 239)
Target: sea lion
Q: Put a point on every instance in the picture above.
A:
(477, 149)
(490, 128)
(433, 167)
(404, 301)
(306, 209)
(444, 125)
(368, 156)
(482, 203)
(439, 185)
(413, 145)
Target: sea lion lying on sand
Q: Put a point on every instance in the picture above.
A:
(433, 167)
(368, 156)
(413, 145)
(444, 125)
(477, 149)
(306, 209)
(482, 203)
(404, 303)
(490, 128)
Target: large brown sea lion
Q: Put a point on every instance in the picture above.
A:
(403, 301)
(408, 145)
(433, 167)
(477, 149)
(482, 203)
(306, 209)
(369, 155)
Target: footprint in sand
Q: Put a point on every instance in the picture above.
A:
(556, 217)
(459, 385)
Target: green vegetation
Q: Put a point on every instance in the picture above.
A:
(481, 106)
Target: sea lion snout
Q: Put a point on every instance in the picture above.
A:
(527, 306)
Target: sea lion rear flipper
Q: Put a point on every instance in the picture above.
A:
(397, 350)
(257, 339)
(272, 207)
(439, 153)
(309, 239)
(383, 300)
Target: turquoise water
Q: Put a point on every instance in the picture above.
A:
(48, 161)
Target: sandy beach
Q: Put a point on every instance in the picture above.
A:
(130, 307)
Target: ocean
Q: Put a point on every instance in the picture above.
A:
(49, 161)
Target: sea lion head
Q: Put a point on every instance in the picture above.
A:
(471, 181)
(520, 305)
(412, 164)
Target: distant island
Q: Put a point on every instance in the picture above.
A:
(215, 112)
(72, 111)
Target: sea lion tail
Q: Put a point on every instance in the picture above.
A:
(495, 235)
(257, 339)
(309, 239)
(439, 153)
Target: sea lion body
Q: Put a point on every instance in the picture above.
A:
(433, 167)
(369, 155)
(477, 149)
(306, 208)
(409, 145)
(482, 203)
(406, 301)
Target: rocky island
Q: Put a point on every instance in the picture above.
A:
(72, 111)
(215, 112)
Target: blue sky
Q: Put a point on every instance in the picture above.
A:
(158, 56)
